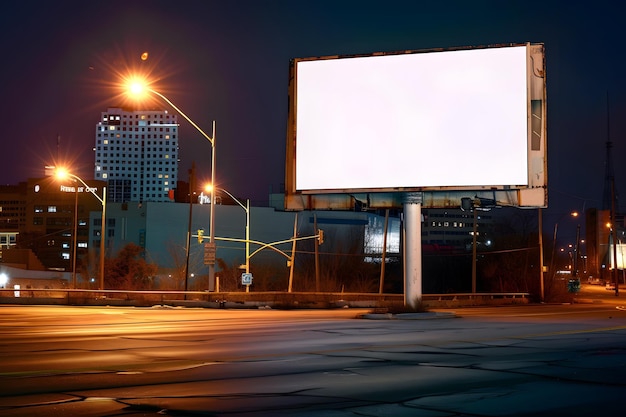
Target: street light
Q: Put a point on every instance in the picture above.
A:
(61, 173)
(577, 247)
(573, 214)
(136, 87)
(246, 208)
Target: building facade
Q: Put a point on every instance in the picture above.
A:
(12, 214)
(597, 252)
(136, 154)
(453, 229)
(48, 218)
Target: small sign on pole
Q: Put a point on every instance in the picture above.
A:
(209, 253)
(246, 278)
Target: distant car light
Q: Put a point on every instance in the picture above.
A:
(3, 280)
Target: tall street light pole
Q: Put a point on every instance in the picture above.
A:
(103, 200)
(137, 88)
(246, 208)
(75, 238)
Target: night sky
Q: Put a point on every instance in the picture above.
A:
(228, 61)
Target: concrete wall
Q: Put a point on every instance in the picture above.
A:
(161, 228)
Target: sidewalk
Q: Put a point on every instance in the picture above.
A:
(590, 293)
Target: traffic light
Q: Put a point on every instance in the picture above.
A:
(200, 235)
(320, 236)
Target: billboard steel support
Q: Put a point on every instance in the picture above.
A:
(413, 249)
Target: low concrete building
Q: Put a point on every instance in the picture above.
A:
(161, 229)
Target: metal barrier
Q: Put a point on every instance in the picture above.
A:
(244, 299)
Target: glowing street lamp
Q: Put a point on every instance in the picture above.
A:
(137, 87)
(62, 174)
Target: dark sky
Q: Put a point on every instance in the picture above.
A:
(228, 61)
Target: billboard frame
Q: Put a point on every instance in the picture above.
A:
(532, 194)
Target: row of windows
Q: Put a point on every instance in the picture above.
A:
(448, 233)
(133, 167)
(160, 128)
(136, 143)
(450, 224)
(55, 209)
(7, 239)
(448, 215)
(454, 216)
(143, 116)
(166, 136)
(142, 150)
(142, 156)
(55, 221)
(110, 233)
(98, 222)
(124, 176)
(144, 176)
(130, 129)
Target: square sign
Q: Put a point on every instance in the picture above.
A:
(246, 278)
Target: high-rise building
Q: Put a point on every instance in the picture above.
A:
(136, 153)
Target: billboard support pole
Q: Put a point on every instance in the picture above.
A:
(413, 249)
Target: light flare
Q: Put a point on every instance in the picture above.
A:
(61, 173)
(136, 87)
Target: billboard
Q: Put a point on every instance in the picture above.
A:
(431, 121)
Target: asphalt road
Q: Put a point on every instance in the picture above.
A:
(556, 360)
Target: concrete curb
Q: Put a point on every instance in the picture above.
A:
(409, 316)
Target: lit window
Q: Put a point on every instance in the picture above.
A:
(66, 256)
(105, 141)
(52, 209)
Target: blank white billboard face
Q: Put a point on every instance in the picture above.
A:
(419, 120)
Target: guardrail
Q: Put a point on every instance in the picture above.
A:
(207, 299)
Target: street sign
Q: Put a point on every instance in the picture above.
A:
(246, 278)
(209, 253)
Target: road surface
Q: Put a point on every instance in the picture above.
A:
(544, 360)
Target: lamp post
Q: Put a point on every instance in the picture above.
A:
(60, 173)
(246, 208)
(75, 238)
(577, 245)
(136, 87)
(573, 214)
